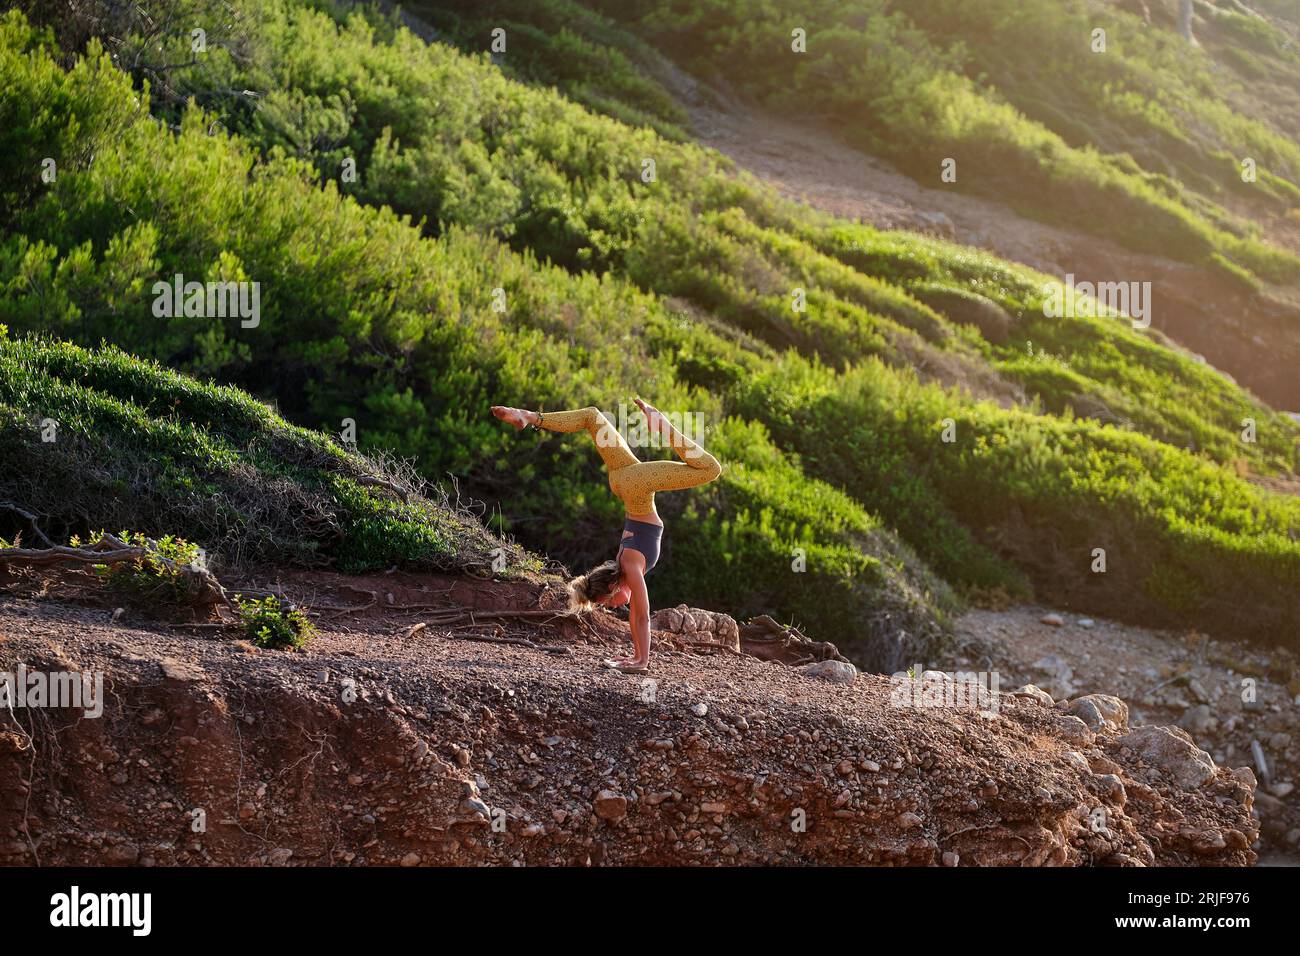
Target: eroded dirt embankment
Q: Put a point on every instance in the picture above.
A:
(454, 751)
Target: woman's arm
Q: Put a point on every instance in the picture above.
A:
(638, 610)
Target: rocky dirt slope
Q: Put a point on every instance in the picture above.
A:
(1240, 703)
(380, 745)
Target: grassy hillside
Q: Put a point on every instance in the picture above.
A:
(1140, 141)
(98, 439)
(559, 183)
(679, 289)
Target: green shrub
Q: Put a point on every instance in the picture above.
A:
(1063, 133)
(271, 624)
(159, 577)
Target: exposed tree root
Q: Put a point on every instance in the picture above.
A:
(466, 615)
(392, 486)
(765, 638)
(519, 641)
(30, 518)
(110, 549)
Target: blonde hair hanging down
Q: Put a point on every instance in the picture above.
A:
(586, 589)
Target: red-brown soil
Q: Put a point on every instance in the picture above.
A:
(462, 752)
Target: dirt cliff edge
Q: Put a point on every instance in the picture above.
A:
(375, 747)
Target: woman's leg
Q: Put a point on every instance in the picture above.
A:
(610, 445)
(696, 467)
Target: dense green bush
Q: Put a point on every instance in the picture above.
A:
(157, 578)
(567, 188)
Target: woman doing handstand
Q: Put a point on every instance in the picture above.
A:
(622, 580)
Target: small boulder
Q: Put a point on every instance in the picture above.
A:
(838, 672)
(1112, 788)
(1077, 761)
(1034, 692)
(668, 619)
(122, 853)
(729, 630)
(1100, 712)
(1074, 731)
(478, 810)
(1171, 751)
(1245, 775)
(610, 805)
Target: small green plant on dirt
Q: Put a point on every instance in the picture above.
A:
(271, 624)
(159, 576)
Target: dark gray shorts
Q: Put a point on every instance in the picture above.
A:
(645, 539)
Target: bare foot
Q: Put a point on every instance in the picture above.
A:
(629, 667)
(654, 419)
(511, 416)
